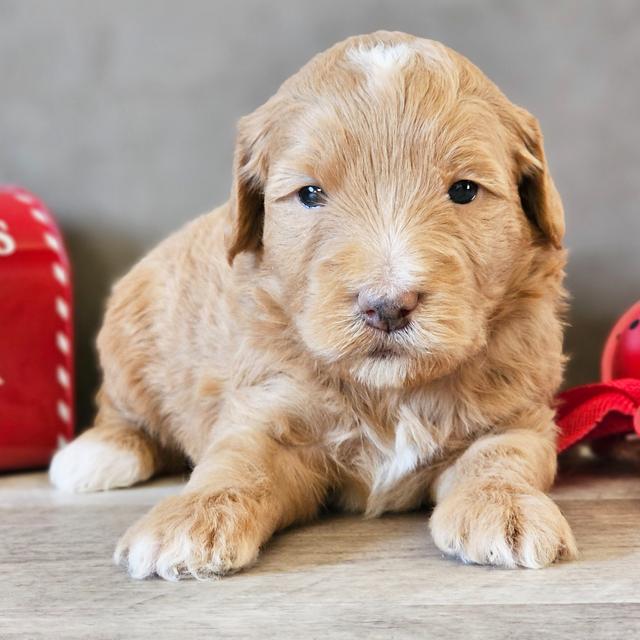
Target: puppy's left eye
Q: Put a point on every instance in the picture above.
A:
(311, 196)
(463, 191)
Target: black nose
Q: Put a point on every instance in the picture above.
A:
(387, 313)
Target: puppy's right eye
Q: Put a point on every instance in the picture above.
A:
(463, 191)
(311, 196)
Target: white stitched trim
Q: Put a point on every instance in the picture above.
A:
(60, 274)
(52, 242)
(64, 413)
(62, 376)
(62, 342)
(39, 215)
(62, 308)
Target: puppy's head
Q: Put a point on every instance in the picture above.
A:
(395, 195)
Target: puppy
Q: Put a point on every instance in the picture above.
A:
(372, 322)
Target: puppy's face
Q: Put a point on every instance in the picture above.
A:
(396, 196)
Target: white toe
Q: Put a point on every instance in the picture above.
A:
(142, 557)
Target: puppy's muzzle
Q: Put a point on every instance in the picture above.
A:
(387, 313)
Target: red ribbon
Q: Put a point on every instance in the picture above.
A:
(596, 410)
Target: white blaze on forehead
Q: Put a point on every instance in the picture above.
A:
(380, 61)
(383, 59)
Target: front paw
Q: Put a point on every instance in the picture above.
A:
(199, 535)
(502, 525)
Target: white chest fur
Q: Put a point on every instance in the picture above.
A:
(396, 467)
(397, 462)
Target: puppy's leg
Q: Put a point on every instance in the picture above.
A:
(245, 488)
(491, 508)
(110, 455)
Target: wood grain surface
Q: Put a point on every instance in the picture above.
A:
(341, 577)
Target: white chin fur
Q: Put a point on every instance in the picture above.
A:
(382, 372)
(86, 465)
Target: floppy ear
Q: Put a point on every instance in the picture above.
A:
(539, 197)
(249, 178)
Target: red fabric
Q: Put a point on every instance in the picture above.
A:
(596, 410)
(36, 344)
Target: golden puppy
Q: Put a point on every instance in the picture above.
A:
(371, 321)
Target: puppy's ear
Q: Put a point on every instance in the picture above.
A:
(538, 195)
(249, 178)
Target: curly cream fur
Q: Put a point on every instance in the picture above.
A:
(237, 342)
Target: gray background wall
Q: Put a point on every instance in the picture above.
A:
(121, 115)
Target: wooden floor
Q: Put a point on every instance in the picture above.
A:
(342, 577)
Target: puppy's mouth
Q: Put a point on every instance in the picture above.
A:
(387, 346)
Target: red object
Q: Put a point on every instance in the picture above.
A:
(36, 354)
(621, 356)
(613, 406)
